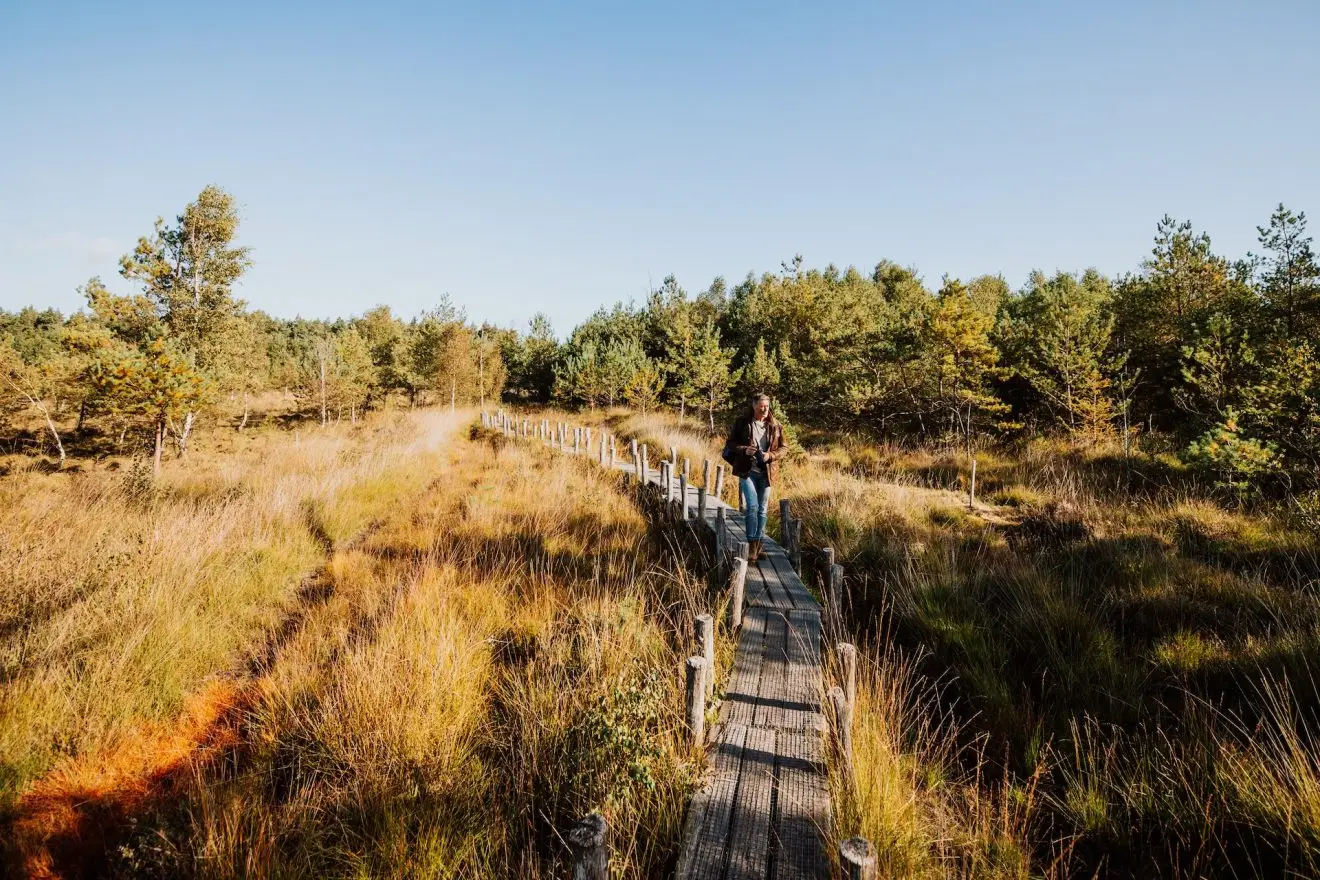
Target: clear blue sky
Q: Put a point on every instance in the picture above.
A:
(558, 157)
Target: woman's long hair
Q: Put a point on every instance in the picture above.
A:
(770, 413)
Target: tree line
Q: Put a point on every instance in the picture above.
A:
(182, 346)
(1218, 353)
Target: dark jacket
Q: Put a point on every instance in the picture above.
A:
(737, 449)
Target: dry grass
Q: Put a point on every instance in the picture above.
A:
(1112, 644)
(495, 661)
(127, 604)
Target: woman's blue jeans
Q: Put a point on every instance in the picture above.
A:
(756, 499)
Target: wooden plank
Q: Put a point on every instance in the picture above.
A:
(802, 808)
(775, 590)
(749, 835)
(774, 672)
(796, 590)
(705, 854)
(744, 687)
(803, 684)
(758, 594)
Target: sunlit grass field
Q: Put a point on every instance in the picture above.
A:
(405, 648)
(410, 647)
(1097, 667)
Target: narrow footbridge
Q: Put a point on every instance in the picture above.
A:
(764, 809)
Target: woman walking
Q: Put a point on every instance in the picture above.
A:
(753, 450)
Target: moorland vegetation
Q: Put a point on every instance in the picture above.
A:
(273, 609)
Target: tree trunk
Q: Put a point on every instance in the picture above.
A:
(188, 421)
(325, 416)
(160, 445)
(55, 435)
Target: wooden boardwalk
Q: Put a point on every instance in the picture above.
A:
(764, 808)
(765, 803)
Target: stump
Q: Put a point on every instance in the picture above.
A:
(704, 632)
(589, 841)
(696, 699)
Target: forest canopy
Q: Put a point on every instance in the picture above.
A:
(1217, 353)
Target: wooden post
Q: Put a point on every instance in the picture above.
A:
(842, 730)
(721, 531)
(701, 504)
(612, 459)
(737, 586)
(858, 859)
(696, 700)
(673, 457)
(719, 481)
(587, 444)
(834, 599)
(848, 671)
(971, 489)
(645, 475)
(589, 841)
(704, 631)
(632, 447)
(795, 544)
(687, 467)
(785, 514)
(741, 550)
(826, 563)
(682, 498)
(705, 475)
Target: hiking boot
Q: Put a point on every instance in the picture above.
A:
(754, 550)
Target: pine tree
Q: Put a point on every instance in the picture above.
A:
(962, 361)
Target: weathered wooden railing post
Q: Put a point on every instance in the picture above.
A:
(737, 586)
(721, 535)
(705, 475)
(719, 481)
(971, 488)
(826, 563)
(612, 455)
(848, 672)
(842, 730)
(645, 468)
(687, 467)
(704, 631)
(696, 699)
(741, 551)
(834, 600)
(858, 859)
(682, 498)
(589, 841)
(673, 457)
(785, 514)
(701, 504)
